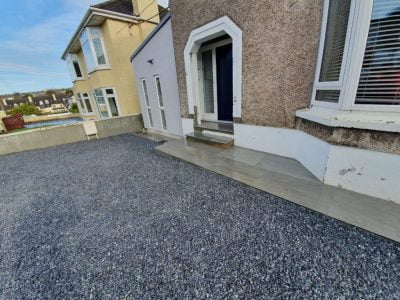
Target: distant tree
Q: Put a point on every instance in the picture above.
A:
(25, 109)
(74, 108)
(49, 92)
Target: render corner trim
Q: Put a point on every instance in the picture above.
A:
(216, 28)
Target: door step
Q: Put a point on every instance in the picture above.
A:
(210, 139)
(215, 126)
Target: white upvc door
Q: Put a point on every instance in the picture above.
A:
(208, 85)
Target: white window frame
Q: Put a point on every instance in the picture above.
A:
(71, 58)
(106, 96)
(87, 37)
(161, 108)
(83, 109)
(147, 102)
(353, 57)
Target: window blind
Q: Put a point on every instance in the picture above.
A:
(335, 40)
(380, 75)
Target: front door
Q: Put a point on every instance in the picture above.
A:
(225, 83)
(217, 83)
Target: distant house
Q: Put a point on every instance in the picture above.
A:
(154, 63)
(98, 56)
(45, 101)
(317, 81)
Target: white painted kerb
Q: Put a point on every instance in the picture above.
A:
(367, 172)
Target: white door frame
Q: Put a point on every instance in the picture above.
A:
(200, 35)
(213, 48)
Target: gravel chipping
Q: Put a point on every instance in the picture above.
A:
(111, 219)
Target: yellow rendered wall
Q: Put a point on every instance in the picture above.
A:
(121, 39)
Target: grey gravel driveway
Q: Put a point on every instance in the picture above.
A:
(111, 219)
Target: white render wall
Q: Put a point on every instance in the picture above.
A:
(367, 172)
(160, 49)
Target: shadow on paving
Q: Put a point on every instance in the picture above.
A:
(112, 219)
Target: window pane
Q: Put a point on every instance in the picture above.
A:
(109, 91)
(159, 92)
(95, 31)
(328, 96)
(77, 69)
(113, 106)
(98, 92)
(82, 106)
(208, 82)
(146, 95)
(88, 57)
(380, 74)
(335, 39)
(71, 70)
(101, 60)
(88, 105)
(150, 117)
(164, 121)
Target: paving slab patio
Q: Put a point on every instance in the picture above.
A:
(112, 219)
(288, 179)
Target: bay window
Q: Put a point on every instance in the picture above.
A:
(358, 65)
(74, 67)
(93, 49)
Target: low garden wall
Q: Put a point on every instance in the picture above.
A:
(53, 136)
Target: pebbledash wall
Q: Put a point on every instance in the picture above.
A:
(280, 41)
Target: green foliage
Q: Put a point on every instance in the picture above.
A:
(24, 109)
(74, 108)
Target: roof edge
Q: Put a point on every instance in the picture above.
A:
(90, 12)
(151, 35)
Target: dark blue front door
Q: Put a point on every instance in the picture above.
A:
(224, 82)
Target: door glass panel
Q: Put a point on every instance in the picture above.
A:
(146, 95)
(101, 104)
(113, 106)
(208, 82)
(150, 117)
(88, 105)
(164, 121)
(160, 96)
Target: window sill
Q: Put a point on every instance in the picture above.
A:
(379, 121)
(99, 69)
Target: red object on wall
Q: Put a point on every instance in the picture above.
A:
(14, 122)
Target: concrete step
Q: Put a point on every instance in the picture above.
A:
(215, 126)
(210, 139)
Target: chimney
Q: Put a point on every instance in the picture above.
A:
(146, 9)
(54, 97)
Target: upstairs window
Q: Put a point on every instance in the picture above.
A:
(93, 49)
(74, 67)
(359, 58)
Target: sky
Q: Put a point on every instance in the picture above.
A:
(33, 36)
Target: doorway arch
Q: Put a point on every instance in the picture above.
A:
(217, 28)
